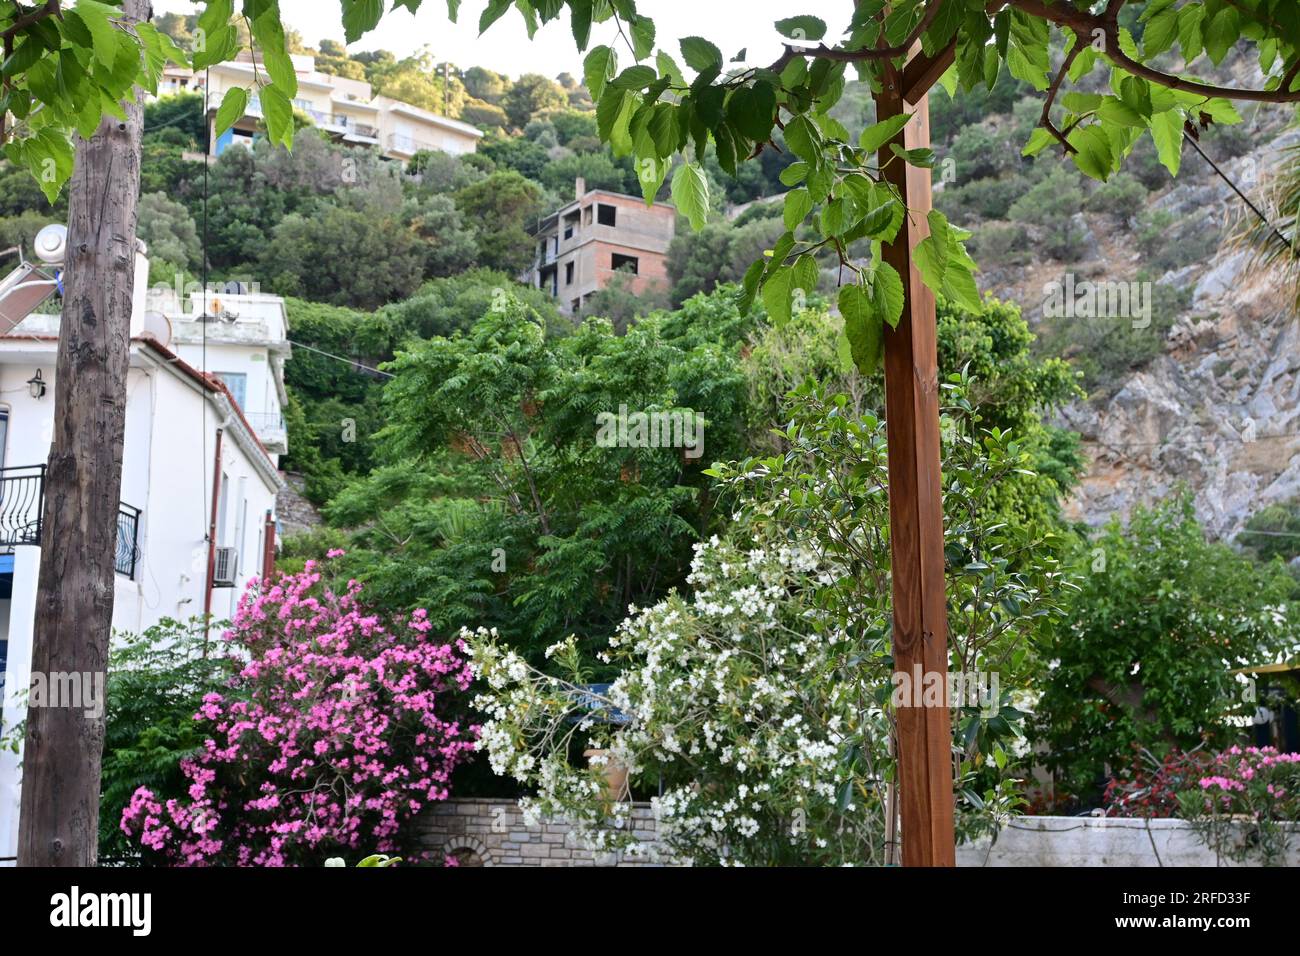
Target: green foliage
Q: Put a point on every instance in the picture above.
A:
(1161, 619)
(491, 443)
(1105, 349)
(501, 209)
(790, 620)
(156, 683)
(532, 95)
(1273, 532)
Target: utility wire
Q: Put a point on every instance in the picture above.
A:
(342, 358)
(1277, 233)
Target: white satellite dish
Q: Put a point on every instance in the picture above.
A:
(51, 243)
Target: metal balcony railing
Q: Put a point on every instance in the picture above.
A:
(22, 507)
(22, 504)
(128, 540)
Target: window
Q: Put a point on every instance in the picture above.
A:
(622, 263)
(568, 273)
(605, 215)
(586, 216)
(237, 382)
(4, 433)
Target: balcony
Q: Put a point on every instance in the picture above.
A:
(407, 145)
(270, 429)
(22, 510)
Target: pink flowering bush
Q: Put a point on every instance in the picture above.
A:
(330, 739)
(1246, 803)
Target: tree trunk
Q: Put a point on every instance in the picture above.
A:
(59, 819)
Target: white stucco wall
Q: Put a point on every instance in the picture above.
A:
(167, 471)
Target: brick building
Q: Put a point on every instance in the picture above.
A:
(581, 246)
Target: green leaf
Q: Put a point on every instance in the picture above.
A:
(1039, 140)
(862, 327)
(803, 139)
(690, 191)
(494, 11)
(874, 137)
(1191, 39)
(1167, 133)
(802, 28)
(887, 293)
(922, 156)
(1222, 34)
(105, 36)
(701, 55)
(1093, 152)
(360, 17)
(794, 174)
(643, 36)
(579, 22)
(269, 33)
(49, 157)
(635, 78)
(277, 111)
(798, 203)
(804, 276)
(777, 295)
(233, 106)
(597, 68)
(752, 110)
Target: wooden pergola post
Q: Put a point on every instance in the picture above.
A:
(920, 632)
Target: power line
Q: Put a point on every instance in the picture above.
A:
(1277, 233)
(341, 358)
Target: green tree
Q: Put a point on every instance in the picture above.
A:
(344, 257)
(170, 232)
(1149, 644)
(530, 96)
(502, 208)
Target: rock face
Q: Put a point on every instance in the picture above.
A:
(297, 514)
(1219, 409)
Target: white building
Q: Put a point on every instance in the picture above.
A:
(204, 432)
(347, 109)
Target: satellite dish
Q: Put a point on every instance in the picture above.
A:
(157, 327)
(51, 243)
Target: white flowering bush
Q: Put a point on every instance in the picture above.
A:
(756, 710)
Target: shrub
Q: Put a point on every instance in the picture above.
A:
(1246, 804)
(332, 736)
(761, 705)
(1161, 617)
(1149, 786)
(1001, 244)
(156, 683)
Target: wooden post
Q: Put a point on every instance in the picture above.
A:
(920, 633)
(59, 816)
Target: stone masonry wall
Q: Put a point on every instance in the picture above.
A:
(482, 832)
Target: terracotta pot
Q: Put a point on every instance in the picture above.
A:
(615, 773)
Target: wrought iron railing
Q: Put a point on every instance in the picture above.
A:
(128, 540)
(22, 504)
(22, 507)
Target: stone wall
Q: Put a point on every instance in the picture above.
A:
(482, 832)
(1097, 841)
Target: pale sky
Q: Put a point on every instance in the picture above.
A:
(732, 24)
